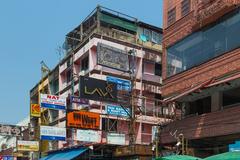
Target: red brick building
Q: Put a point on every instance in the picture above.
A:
(201, 72)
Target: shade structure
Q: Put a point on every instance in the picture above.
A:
(179, 157)
(65, 155)
(225, 156)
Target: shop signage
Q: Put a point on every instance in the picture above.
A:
(52, 133)
(78, 100)
(82, 119)
(122, 84)
(52, 102)
(112, 57)
(28, 146)
(6, 158)
(117, 110)
(99, 90)
(115, 138)
(88, 136)
(35, 110)
(10, 130)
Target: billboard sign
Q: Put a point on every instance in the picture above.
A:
(83, 119)
(115, 138)
(112, 57)
(52, 102)
(122, 84)
(28, 146)
(35, 110)
(99, 90)
(89, 136)
(6, 158)
(117, 110)
(78, 100)
(52, 133)
(10, 130)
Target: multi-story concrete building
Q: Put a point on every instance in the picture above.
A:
(117, 32)
(201, 73)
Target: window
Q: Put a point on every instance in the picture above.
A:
(156, 37)
(231, 97)
(54, 86)
(200, 106)
(147, 34)
(109, 125)
(185, 7)
(68, 74)
(84, 64)
(158, 69)
(171, 16)
(206, 44)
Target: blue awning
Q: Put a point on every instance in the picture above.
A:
(65, 155)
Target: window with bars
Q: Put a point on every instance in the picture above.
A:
(185, 7)
(171, 16)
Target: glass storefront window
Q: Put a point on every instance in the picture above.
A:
(204, 45)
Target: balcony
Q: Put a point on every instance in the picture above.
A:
(220, 123)
(151, 78)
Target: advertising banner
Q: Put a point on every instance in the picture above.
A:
(112, 57)
(10, 130)
(28, 146)
(89, 136)
(117, 110)
(35, 110)
(52, 133)
(115, 138)
(122, 84)
(82, 119)
(78, 100)
(6, 158)
(99, 90)
(52, 102)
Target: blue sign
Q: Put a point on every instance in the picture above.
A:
(122, 84)
(52, 133)
(6, 158)
(117, 110)
(234, 147)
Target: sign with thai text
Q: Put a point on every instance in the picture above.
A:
(35, 110)
(99, 90)
(117, 110)
(82, 119)
(115, 138)
(122, 84)
(88, 136)
(52, 102)
(52, 133)
(112, 57)
(78, 100)
(10, 130)
(27, 146)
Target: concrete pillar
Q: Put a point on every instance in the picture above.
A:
(216, 101)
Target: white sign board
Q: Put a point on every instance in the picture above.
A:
(27, 145)
(52, 133)
(115, 138)
(52, 102)
(88, 136)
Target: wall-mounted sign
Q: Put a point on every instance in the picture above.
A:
(112, 57)
(82, 119)
(117, 110)
(52, 133)
(115, 138)
(35, 110)
(10, 130)
(99, 90)
(88, 136)
(52, 102)
(122, 84)
(78, 100)
(28, 146)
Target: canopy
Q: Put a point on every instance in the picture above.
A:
(225, 156)
(65, 155)
(178, 157)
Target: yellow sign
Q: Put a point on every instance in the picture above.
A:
(28, 146)
(35, 110)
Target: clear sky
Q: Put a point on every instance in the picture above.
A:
(32, 30)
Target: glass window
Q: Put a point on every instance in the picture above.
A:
(84, 64)
(147, 34)
(158, 69)
(204, 45)
(171, 16)
(185, 7)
